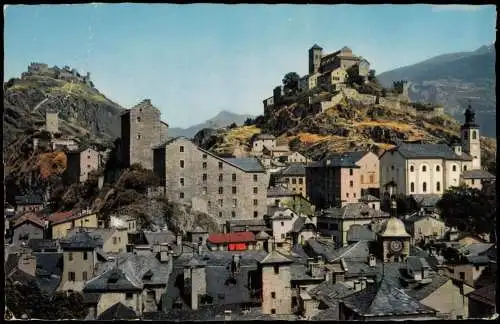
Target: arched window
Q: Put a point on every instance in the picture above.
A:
(438, 186)
(424, 168)
(438, 168)
(412, 168)
(454, 168)
(412, 187)
(424, 187)
(474, 135)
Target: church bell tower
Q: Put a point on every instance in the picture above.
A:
(469, 134)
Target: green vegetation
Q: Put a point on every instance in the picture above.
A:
(79, 90)
(468, 209)
(291, 83)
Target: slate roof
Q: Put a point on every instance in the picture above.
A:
(354, 211)
(369, 198)
(237, 237)
(360, 233)
(302, 223)
(118, 311)
(114, 280)
(29, 217)
(330, 294)
(383, 299)
(342, 160)
(279, 213)
(100, 235)
(246, 164)
(160, 237)
(80, 240)
(429, 200)
(49, 268)
(429, 151)
(294, 169)
(477, 174)
(316, 46)
(275, 258)
(279, 191)
(262, 236)
(29, 199)
(486, 294)
(423, 290)
(416, 263)
(475, 249)
(11, 263)
(37, 245)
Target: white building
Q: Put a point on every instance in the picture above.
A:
(432, 168)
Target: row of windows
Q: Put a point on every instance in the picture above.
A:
(438, 168)
(372, 179)
(70, 256)
(233, 214)
(72, 276)
(424, 186)
(294, 180)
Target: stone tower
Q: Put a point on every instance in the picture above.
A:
(140, 132)
(52, 121)
(315, 54)
(469, 133)
(276, 285)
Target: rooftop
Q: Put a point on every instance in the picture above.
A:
(81, 240)
(246, 164)
(429, 200)
(477, 174)
(279, 191)
(294, 169)
(29, 217)
(237, 237)
(118, 311)
(275, 258)
(354, 211)
(486, 294)
(29, 199)
(343, 160)
(429, 151)
(360, 233)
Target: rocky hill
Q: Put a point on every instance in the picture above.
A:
(354, 122)
(454, 80)
(223, 119)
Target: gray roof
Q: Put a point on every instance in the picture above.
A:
(343, 160)
(49, 268)
(42, 244)
(423, 290)
(330, 294)
(262, 236)
(294, 169)
(275, 258)
(429, 200)
(316, 46)
(160, 237)
(11, 263)
(113, 280)
(383, 299)
(416, 263)
(354, 211)
(81, 240)
(475, 249)
(477, 174)
(429, 151)
(369, 198)
(279, 191)
(302, 223)
(99, 235)
(118, 311)
(360, 233)
(246, 164)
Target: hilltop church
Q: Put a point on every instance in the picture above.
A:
(411, 168)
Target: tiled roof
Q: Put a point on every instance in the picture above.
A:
(195, 262)
(354, 211)
(29, 217)
(486, 294)
(279, 191)
(383, 299)
(118, 311)
(60, 217)
(429, 200)
(29, 199)
(238, 237)
(294, 169)
(246, 164)
(360, 233)
(275, 258)
(477, 174)
(425, 151)
(330, 294)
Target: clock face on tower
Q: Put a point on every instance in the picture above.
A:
(396, 246)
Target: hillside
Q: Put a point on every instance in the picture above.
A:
(355, 122)
(454, 80)
(223, 119)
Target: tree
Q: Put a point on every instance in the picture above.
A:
(371, 75)
(468, 209)
(248, 122)
(399, 86)
(291, 82)
(233, 125)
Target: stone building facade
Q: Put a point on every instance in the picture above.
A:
(141, 130)
(276, 284)
(80, 163)
(52, 121)
(226, 188)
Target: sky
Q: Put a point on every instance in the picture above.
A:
(194, 61)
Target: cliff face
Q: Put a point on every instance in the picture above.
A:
(354, 122)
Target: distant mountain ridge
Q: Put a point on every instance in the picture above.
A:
(223, 119)
(454, 80)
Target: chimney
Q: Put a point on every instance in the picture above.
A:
(227, 315)
(372, 261)
(235, 266)
(163, 249)
(200, 249)
(156, 247)
(196, 249)
(178, 239)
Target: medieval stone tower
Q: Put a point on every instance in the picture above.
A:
(276, 286)
(195, 281)
(315, 54)
(470, 138)
(52, 121)
(141, 131)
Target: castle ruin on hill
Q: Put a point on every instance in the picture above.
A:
(66, 73)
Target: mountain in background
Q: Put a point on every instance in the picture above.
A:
(454, 80)
(223, 119)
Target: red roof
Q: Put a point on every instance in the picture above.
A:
(29, 217)
(236, 237)
(60, 217)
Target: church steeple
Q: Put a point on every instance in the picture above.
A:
(470, 138)
(470, 117)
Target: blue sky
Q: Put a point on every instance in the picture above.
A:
(193, 61)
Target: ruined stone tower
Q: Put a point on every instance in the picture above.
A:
(315, 54)
(140, 132)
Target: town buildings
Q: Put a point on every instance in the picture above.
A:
(80, 163)
(226, 188)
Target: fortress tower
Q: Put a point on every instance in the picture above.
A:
(469, 133)
(315, 54)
